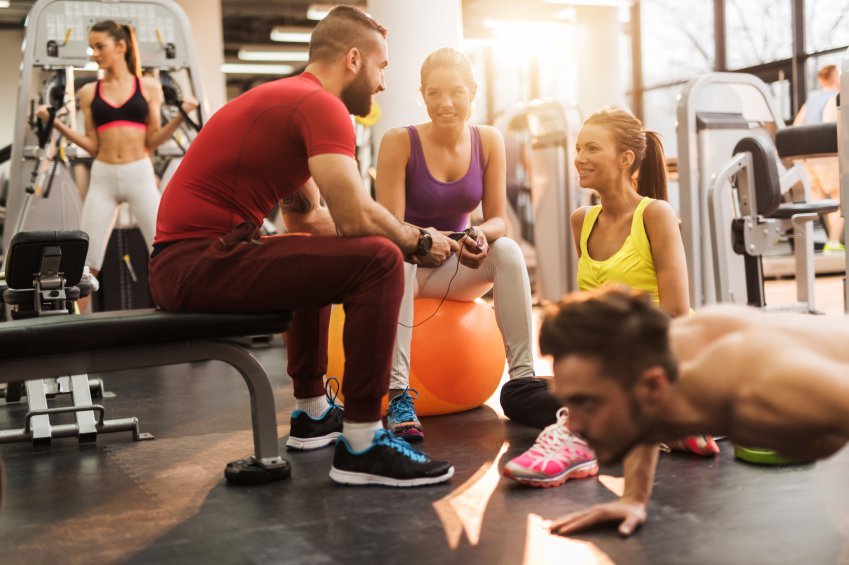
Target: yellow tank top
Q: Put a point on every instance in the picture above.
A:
(631, 265)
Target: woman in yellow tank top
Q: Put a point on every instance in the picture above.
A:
(631, 238)
(632, 264)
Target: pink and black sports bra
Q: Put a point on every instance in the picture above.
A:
(132, 113)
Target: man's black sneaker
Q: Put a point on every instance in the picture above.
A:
(306, 433)
(388, 461)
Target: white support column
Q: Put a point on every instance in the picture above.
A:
(843, 160)
(205, 16)
(415, 29)
(599, 73)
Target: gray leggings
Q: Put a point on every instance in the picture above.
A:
(504, 271)
(111, 185)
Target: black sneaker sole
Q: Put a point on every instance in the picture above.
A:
(307, 444)
(363, 479)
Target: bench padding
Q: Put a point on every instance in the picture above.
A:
(808, 140)
(54, 335)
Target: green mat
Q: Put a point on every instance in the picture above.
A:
(762, 456)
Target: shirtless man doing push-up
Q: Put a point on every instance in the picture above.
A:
(630, 375)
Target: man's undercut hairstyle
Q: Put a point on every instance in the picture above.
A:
(620, 327)
(344, 28)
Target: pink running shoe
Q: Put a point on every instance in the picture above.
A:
(701, 445)
(555, 457)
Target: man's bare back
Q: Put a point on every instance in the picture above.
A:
(778, 381)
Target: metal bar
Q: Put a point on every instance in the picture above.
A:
(81, 392)
(263, 411)
(798, 74)
(721, 62)
(803, 231)
(637, 87)
(33, 414)
(37, 401)
(71, 430)
(718, 192)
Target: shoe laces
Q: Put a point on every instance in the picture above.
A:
(554, 437)
(331, 390)
(402, 406)
(382, 437)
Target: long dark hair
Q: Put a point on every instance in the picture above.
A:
(125, 33)
(649, 162)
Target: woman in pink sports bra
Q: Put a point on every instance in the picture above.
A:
(122, 126)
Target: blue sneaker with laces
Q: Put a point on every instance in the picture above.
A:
(389, 461)
(401, 417)
(307, 433)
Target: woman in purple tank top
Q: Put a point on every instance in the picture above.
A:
(434, 175)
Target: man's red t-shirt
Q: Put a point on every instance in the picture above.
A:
(250, 154)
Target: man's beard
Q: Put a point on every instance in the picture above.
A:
(357, 95)
(638, 439)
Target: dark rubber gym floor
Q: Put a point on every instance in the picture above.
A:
(166, 501)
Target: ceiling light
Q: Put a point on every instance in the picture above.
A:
(291, 34)
(271, 54)
(249, 69)
(4, 3)
(317, 12)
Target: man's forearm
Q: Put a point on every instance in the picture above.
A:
(317, 222)
(639, 468)
(304, 214)
(377, 220)
(321, 222)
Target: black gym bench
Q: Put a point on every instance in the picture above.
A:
(49, 346)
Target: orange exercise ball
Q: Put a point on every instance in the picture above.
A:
(457, 356)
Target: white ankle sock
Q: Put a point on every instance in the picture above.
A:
(360, 434)
(314, 407)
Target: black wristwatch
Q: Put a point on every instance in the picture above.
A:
(425, 243)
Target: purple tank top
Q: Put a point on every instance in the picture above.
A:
(443, 205)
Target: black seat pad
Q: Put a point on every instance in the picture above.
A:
(125, 328)
(765, 168)
(789, 209)
(25, 252)
(811, 139)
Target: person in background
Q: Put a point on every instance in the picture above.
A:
(821, 107)
(632, 238)
(122, 125)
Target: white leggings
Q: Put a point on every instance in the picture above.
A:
(504, 271)
(111, 185)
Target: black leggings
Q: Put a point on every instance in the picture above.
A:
(528, 401)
